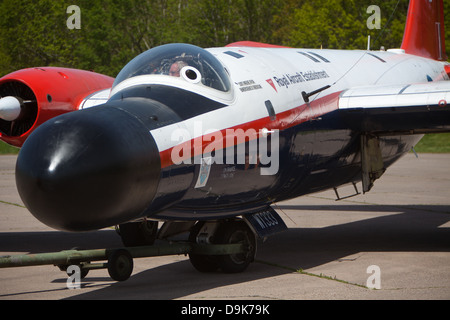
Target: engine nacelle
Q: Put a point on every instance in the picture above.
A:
(44, 93)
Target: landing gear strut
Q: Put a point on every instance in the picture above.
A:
(142, 233)
(224, 232)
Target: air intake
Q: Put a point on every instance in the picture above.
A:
(29, 111)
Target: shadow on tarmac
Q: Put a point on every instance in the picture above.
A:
(406, 229)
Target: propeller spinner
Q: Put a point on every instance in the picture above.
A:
(10, 108)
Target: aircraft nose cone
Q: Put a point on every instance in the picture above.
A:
(88, 169)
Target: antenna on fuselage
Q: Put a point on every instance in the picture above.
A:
(307, 95)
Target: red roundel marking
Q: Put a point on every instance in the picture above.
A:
(442, 103)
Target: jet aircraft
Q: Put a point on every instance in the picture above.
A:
(207, 140)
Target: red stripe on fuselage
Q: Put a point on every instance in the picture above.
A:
(284, 120)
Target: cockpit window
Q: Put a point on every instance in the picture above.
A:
(178, 60)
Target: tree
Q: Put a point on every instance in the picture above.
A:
(34, 32)
(339, 24)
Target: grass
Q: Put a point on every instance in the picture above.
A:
(431, 143)
(301, 271)
(7, 149)
(434, 143)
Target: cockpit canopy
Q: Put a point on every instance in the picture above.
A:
(194, 64)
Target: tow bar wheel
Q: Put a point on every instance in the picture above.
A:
(120, 265)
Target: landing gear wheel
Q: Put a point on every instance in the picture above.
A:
(136, 234)
(233, 232)
(228, 232)
(201, 262)
(120, 265)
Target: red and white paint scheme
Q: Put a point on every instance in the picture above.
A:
(207, 139)
(39, 94)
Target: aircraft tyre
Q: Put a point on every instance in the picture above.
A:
(236, 232)
(120, 265)
(228, 232)
(202, 263)
(136, 234)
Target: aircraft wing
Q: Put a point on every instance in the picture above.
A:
(397, 109)
(376, 111)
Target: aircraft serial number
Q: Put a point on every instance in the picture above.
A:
(265, 219)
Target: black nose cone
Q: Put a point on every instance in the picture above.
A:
(88, 169)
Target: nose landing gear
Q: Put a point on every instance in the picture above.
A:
(142, 233)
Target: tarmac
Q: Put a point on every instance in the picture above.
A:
(395, 238)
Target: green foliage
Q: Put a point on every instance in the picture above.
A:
(447, 27)
(339, 24)
(434, 143)
(25, 42)
(34, 32)
(7, 149)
